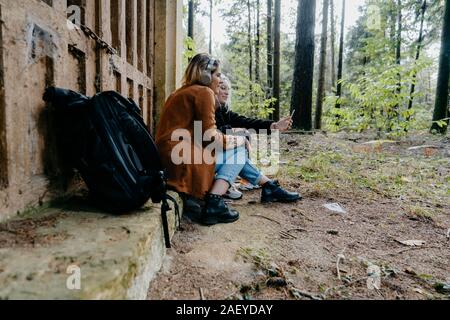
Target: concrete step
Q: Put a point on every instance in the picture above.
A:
(72, 251)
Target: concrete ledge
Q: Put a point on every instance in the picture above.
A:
(117, 257)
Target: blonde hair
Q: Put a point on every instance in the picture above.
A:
(227, 82)
(196, 67)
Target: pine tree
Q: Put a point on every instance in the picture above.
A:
(302, 85)
(332, 42)
(269, 50)
(341, 58)
(419, 48)
(276, 61)
(191, 19)
(210, 25)
(250, 49)
(322, 65)
(441, 113)
(258, 43)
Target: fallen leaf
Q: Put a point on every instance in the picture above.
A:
(413, 243)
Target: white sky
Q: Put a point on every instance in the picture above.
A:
(219, 26)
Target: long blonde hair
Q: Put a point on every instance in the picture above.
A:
(197, 67)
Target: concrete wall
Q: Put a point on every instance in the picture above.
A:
(39, 48)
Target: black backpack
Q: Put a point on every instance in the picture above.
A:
(107, 141)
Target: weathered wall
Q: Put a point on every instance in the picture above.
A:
(168, 46)
(39, 48)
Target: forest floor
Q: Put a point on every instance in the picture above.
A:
(392, 192)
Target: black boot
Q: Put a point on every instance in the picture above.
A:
(192, 208)
(217, 211)
(272, 192)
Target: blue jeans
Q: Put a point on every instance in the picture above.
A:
(235, 162)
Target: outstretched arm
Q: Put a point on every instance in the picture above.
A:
(238, 121)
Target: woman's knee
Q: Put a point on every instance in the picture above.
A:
(240, 156)
(236, 156)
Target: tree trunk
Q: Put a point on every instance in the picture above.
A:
(419, 48)
(302, 85)
(257, 44)
(250, 50)
(191, 19)
(333, 50)
(269, 91)
(276, 61)
(442, 91)
(322, 65)
(398, 53)
(210, 25)
(399, 33)
(393, 28)
(341, 57)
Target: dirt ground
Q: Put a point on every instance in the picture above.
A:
(392, 191)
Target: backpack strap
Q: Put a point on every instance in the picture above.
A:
(177, 210)
(164, 209)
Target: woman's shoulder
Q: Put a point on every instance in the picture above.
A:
(197, 89)
(191, 93)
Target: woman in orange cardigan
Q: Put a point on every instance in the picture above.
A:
(189, 113)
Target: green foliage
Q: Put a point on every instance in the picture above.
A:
(373, 102)
(372, 97)
(252, 103)
(189, 48)
(442, 123)
(376, 88)
(250, 98)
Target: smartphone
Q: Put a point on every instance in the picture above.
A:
(292, 114)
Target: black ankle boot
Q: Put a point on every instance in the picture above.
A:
(217, 211)
(192, 208)
(272, 192)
